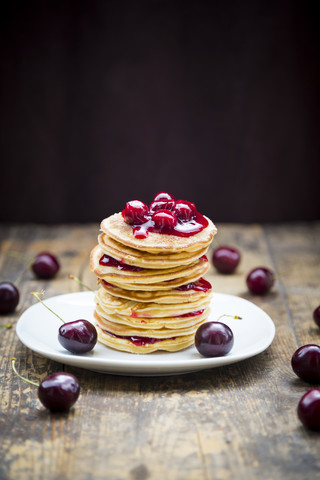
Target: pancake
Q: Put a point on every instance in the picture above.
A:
(122, 330)
(112, 304)
(136, 275)
(144, 259)
(155, 322)
(116, 228)
(174, 295)
(173, 344)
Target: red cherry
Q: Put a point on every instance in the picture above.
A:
(45, 265)
(260, 280)
(9, 297)
(59, 391)
(184, 210)
(161, 205)
(214, 339)
(305, 363)
(316, 316)
(226, 259)
(135, 212)
(309, 409)
(164, 220)
(163, 197)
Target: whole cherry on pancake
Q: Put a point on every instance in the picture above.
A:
(135, 212)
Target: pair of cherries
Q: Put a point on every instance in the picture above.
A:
(305, 363)
(45, 266)
(226, 259)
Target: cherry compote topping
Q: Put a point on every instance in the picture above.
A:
(45, 265)
(138, 341)
(201, 285)
(184, 210)
(135, 212)
(9, 297)
(108, 261)
(225, 259)
(164, 220)
(305, 363)
(260, 280)
(181, 219)
(163, 197)
(59, 391)
(316, 316)
(309, 409)
(214, 339)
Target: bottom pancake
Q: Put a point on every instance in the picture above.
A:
(142, 345)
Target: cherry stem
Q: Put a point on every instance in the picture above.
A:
(7, 325)
(236, 317)
(72, 277)
(13, 363)
(37, 296)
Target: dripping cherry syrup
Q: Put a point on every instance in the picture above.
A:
(108, 261)
(137, 340)
(201, 285)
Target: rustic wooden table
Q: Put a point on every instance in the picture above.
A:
(232, 422)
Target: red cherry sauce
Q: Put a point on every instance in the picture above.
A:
(181, 219)
(139, 341)
(108, 284)
(108, 261)
(192, 314)
(200, 285)
(181, 229)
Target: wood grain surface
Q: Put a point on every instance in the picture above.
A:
(232, 422)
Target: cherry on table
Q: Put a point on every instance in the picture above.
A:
(226, 259)
(309, 409)
(305, 363)
(316, 315)
(214, 339)
(58, 392)
(260, 280)
(45, 265)
(78, 336)
(9, 297)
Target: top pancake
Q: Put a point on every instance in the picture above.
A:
(115, 227)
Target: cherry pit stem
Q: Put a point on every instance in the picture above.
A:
(37, 296)
(76, 279)
(7, 325)
(13, 363)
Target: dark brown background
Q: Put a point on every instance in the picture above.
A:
(107, 101)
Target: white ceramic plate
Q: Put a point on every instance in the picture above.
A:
(37, 328)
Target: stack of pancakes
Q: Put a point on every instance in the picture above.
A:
(151, 294)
